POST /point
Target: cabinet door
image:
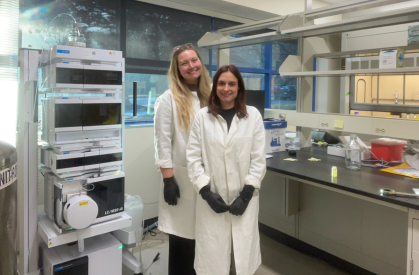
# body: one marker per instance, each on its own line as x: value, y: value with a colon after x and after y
x: 415, y: 258
x: 415, y: 247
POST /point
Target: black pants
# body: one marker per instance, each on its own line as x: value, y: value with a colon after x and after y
x: 181, y: 255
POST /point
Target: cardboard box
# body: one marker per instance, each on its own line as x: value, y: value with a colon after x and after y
x: 275, y: 135
x: 390, y: 59
x: 336, y: 151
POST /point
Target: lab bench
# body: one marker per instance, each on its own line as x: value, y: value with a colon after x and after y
x: 345, y: 216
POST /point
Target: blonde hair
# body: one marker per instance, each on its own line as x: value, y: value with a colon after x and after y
x: 181, y: 93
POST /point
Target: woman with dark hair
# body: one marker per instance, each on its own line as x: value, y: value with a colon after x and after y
x: 226, y: 164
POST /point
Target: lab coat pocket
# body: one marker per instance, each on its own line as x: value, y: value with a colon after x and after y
x: 185, y: 185
x: 243, y: 147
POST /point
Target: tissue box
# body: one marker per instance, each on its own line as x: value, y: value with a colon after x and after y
x: 413, y: 40
x: 390, y: 59
x: 413, y: 30
x: 275, y: 135
x: 336, y: 151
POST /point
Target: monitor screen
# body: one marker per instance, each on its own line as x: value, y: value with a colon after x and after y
x: 256, y: 98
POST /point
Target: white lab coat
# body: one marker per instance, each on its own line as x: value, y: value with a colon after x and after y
x: 170, y: 152
x: 227, y: 161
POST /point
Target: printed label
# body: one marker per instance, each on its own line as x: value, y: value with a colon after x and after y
x: 63, y: 51
x: 8, y: 176
x: 83, y: 203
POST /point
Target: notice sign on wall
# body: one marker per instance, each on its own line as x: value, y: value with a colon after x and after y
x: 8, y: 176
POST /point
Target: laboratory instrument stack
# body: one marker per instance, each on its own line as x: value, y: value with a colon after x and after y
x: 81, y: 126
x: 75, y: 141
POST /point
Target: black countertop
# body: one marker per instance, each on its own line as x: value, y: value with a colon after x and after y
x: 367, y: 182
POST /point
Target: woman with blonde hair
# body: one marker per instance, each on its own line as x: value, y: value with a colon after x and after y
x: 190, y: 87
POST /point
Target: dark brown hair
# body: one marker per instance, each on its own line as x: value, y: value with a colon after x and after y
x: 214, y: 104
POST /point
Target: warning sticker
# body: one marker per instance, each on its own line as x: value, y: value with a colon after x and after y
x: 8, y: 176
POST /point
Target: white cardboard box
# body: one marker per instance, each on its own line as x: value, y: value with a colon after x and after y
x: 275, y: 135
x: 390, y: 59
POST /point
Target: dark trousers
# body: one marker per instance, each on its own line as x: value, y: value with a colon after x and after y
x: 181, y: 256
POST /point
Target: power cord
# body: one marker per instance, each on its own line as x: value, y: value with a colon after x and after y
x: 154, y: 260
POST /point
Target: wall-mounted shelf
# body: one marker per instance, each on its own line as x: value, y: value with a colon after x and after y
x: 363, y: 53
x: 352, y: 72
x: 227, y: 42
x: 348, y: 6
x: 382, y: 19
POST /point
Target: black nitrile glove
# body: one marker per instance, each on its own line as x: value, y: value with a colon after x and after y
x: 171, y: 191
x: 240, y: 204
x: 214, y: 200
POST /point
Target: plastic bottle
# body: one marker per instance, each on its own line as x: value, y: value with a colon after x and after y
x: 353, y: 154
x: 76, y: 37
x: 297, y: 143
x: 395, y: 98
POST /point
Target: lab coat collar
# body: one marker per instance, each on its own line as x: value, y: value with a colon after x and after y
x: 233, y: 128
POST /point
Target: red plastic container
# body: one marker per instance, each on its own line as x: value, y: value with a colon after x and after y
x: 387, y: 149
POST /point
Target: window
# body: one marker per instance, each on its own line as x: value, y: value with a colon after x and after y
x: 153, y: 31
x: 253, y: 81
x: 151, y: 34
x: 284, y: 93
x: 52, y: 21
x: 281, y: 50
x: 248, y: 56
x: 147, y: 33
x: 149, y: 88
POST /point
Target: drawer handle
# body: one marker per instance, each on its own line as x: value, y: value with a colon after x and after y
x: 327, y: 124
x: 383, y: 131
x: 322, y: 124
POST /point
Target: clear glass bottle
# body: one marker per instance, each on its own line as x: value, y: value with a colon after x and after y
x: 76, y: 37
x: 353, y: 154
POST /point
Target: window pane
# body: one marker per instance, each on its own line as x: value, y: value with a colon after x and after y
x: 149, y: 88
x: 153, y: 31
x: 248, y: 56
x: 281, y: 50
x: 284, y: 93
x: 254, y: 81
x: 99, y: 17
x: 222, y: 24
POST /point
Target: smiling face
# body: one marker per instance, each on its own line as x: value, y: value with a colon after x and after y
x: 190, y: 66
x: 227, y: 90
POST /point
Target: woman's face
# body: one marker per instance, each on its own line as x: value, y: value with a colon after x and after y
x: 189, y: 66
x: 227, y: 89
